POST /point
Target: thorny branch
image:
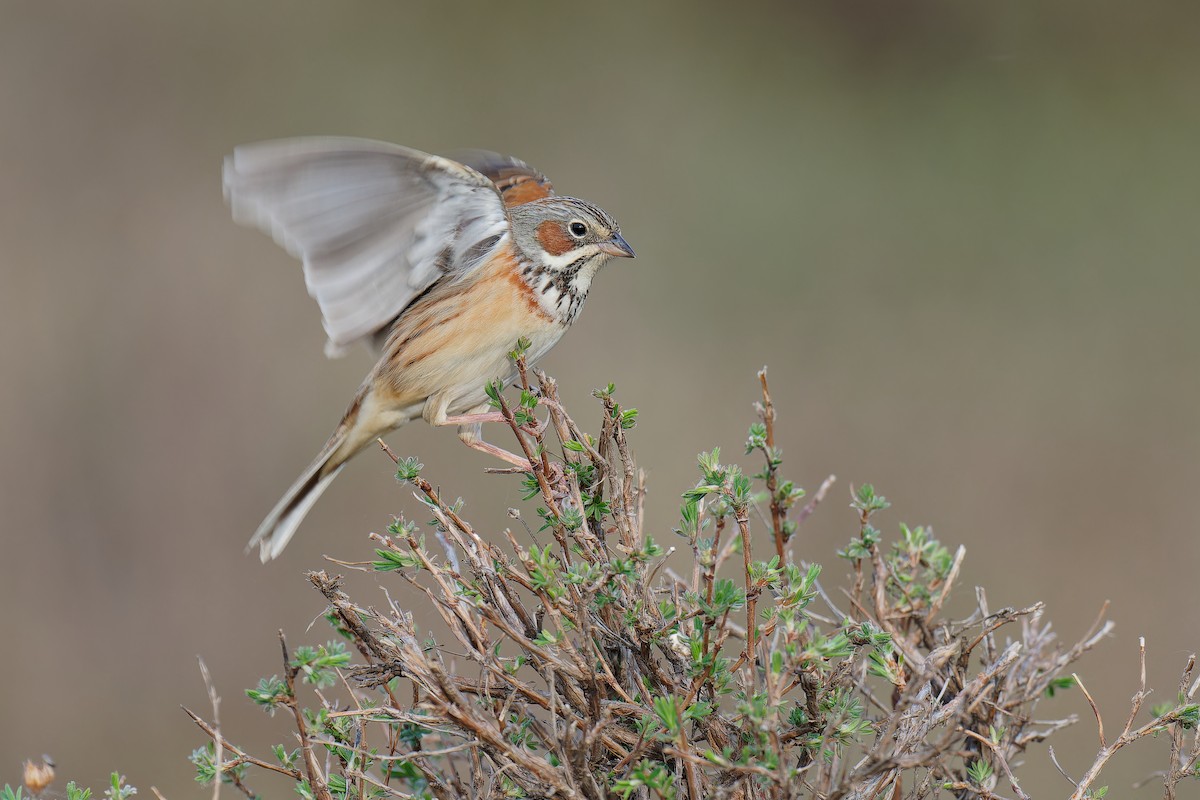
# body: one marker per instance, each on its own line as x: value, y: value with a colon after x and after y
x: 589, y: 668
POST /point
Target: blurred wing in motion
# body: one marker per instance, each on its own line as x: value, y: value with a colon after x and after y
x: 517, y: 182
x: 374, y: 223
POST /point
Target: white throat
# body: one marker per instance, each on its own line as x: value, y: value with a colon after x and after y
x: 561, y: 283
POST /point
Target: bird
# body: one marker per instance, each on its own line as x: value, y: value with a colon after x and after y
x: 439, y: 265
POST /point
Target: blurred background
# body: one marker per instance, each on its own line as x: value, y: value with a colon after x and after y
x: 964, y: 237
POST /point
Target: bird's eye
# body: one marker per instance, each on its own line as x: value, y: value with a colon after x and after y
x: 578, y: 229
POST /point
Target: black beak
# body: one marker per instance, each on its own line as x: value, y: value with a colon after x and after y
x: 616, y: 246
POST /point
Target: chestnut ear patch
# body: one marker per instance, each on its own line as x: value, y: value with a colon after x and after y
x: 554, y: 238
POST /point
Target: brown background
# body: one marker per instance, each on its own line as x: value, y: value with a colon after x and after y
x: 963, y: 235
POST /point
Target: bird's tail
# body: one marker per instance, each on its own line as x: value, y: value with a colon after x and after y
x: 362, y: 424
x: 365, y: 420
x: 280, y: 525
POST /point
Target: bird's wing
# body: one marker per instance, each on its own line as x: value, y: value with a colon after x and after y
x: 517, y: 182
x: 375, y: 224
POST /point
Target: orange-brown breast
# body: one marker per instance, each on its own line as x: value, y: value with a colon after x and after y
x: 554, y: 238
x: 497, y: 301
x: 506, y: 266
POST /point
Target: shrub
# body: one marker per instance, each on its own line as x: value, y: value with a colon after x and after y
x: 574, y: 660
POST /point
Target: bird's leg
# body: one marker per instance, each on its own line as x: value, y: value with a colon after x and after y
x: 469, y: 434
x: 469, y: 430
x: 472, y: 419
x: 533, y: 428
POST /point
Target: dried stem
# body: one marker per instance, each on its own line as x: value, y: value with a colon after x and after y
x: 590, y: 665
x: 766, y: 413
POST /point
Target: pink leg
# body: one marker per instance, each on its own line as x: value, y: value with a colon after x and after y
x: 469, y: 432
x: 476, y: 443
x: 472, y: 419
x: 534, y: 427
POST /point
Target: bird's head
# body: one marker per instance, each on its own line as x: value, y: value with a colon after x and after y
x: 565, y: 234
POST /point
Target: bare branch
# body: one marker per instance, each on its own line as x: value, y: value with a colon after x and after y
x: 587, y: 662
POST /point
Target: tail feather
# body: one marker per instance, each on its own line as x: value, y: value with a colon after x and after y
x: 360, y: 426
x: 280, y: 525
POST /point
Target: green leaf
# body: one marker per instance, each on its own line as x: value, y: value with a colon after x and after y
x: 651, y: 775
x: 700, y: 492
x: 523, y: 345
x: 317, y: 665
x: 866, y: 500
x: 269, y: 693
x: 285, y: 759
x: 202, y: 759
x: 698, y: 710
x: 408, y: 469
x: 667, y: 711
x: 118, y: 790
x: 1062, y: 682
x: 493, y: 391
x: 392, y: 560
x: 545, y: 639
x: 979, y: 772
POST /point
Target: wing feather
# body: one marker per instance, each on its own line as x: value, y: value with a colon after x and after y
x: 374, y: 224
x: 517, y: 182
